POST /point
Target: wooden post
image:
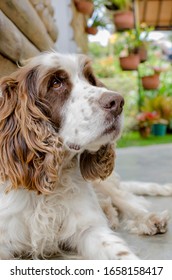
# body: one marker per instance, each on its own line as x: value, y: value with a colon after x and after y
x: 6, y: 66
x: 46, y: 12
x: 24, y: 16
x: 13, y: 44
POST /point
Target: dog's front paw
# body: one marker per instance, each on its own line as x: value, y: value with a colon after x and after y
x: 157, y: 223
x: 149, y: 224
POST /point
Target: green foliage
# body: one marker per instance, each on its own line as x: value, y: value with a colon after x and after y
x: 145, y: 69
x: 127, y: 43
x: 96, y: 50
x: 133, y: 138
x: 104, y: 67
x: 130, y: 40
x: 166, y: 84
x: 161, y: 104
x: 120, y: 4
x: 98, y: 22
x: 152, y: 66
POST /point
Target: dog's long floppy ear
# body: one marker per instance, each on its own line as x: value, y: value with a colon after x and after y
x: 30, y: 150
x: 97, y: 165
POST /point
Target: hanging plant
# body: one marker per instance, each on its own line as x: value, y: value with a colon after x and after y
x: 93, y: 23
x: 150, y: 75
x: 126, y: 47
x: 129, y: 62
x: 91, y: 30
x: 151, y: 81
x: 123, y: 20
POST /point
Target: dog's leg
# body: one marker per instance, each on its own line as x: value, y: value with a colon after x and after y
x: 99, y: 242
x: 143, y: 188
x: 92, y: 238
x: 136, y: 216
x: 110, y: 211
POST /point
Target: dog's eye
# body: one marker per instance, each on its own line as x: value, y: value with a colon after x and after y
x: 56, y: 83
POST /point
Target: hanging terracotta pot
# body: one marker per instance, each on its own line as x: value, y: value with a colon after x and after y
x: 142, y: 51
x: 151, y: 82
x: 91, y: 30
x: 84, y: 7
x: 124, y: 20
x: 129, y: 62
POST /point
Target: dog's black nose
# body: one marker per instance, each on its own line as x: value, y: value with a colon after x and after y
x: 112, y: 102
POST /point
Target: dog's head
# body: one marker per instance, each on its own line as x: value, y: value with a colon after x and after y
x: 52, y: 105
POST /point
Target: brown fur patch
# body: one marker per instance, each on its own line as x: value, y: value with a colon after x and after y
x: 31, y: 151
x: 97, y: 165
x: 89, y: 75
x: 123, y: 253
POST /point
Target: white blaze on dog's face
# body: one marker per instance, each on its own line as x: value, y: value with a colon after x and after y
x: 86, y: 114
x: 91, y: 115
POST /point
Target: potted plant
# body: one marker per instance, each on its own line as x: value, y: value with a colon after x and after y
x: 95, y: 22
x: 85, y: 7
x: 159, y: 128
x: 126, y: 47
x: 145, y: 121
x: 162, y: 105
x: 149, y: 77
x: 151, y: 81
x: 150, y: 74
x: 123, y: 15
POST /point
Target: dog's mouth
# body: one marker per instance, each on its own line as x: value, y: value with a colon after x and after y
x: 112, y: 130
x: 114, y: 127
x: 73, y: 146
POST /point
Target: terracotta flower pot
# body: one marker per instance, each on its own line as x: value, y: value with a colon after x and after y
x: 124, y: 20
x: 145, y: 131
x: 130, y: 62
x: 142, y: 51
x: 84, y: 7
x: 151, y: 82
x: 91, y: 30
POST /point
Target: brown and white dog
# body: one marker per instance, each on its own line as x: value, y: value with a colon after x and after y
x: 58, y: 125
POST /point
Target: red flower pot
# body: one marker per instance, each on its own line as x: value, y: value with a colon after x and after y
x: 84, y: 7
x: 151, y: 82
x: 124, y: 20
x: 130, y: 62
x: 91, y: 30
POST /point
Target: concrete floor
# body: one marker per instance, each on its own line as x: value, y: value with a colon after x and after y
x: 149, y: 164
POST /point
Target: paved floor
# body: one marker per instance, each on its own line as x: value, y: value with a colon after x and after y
x: 153, y: 163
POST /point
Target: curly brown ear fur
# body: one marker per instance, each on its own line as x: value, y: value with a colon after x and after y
x: 30, y: 150
x: 97, y: 165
